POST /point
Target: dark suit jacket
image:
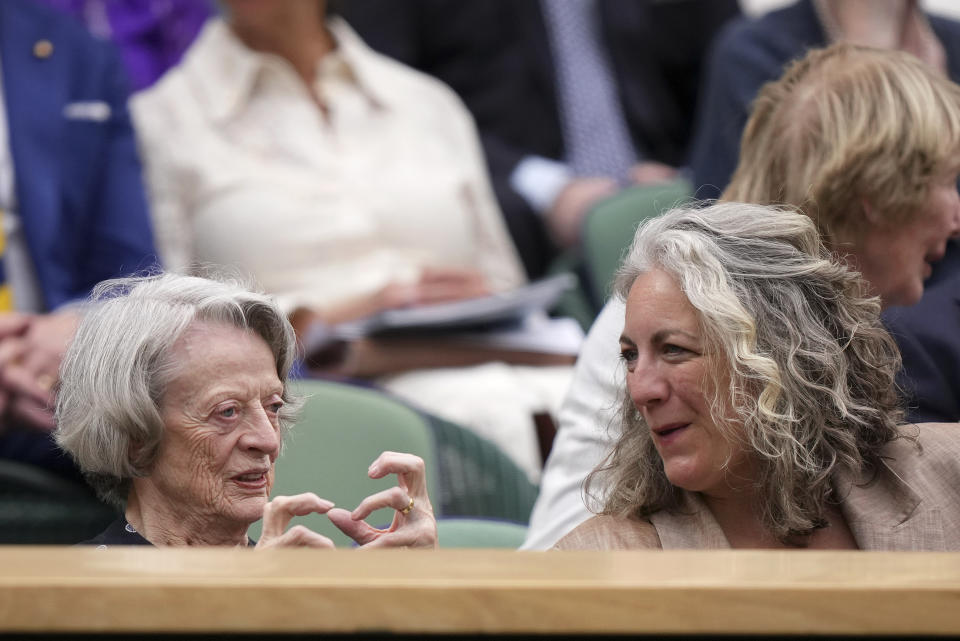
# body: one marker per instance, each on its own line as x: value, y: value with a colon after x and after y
x: 78, y: 184
x: 928, y: 334
x: 496, y: 56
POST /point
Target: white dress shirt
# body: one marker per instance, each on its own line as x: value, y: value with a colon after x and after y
x: 245, y: 170
x: 588, y: 428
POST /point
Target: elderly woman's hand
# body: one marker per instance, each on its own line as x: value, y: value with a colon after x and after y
x: 277, y: 515
x: 413, y: 524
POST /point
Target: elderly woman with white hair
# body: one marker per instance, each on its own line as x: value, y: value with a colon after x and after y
x: 760, y: 406
x: 174, y: 402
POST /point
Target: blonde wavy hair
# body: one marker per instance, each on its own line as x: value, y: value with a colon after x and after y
x: 802, y: 367
x: 847, y: 125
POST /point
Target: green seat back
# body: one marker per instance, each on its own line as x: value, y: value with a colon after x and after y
x: 575, y: 303
x: 610, y: 226
x: 342, y: 430
x: 480, y: 533
x: 39, y: 507
x: 477, y: 479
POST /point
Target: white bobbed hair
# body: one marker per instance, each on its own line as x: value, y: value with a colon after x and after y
x: 117, y: 368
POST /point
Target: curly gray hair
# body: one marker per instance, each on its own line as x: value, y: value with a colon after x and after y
x: 810, y: 367
x: 117, y: 369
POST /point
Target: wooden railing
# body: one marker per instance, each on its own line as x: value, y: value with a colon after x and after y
x: 136, y: 590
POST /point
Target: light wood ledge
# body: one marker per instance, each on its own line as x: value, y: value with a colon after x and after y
x: 137, y: 590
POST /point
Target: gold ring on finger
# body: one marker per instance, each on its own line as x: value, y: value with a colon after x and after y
x: 407, y: 509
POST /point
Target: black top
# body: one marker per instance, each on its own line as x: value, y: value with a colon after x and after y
x: 118, y: 533
x: 122, y: 533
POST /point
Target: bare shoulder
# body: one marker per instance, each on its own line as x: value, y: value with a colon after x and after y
x: 611, y: 533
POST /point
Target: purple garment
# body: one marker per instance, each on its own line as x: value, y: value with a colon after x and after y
x: 151, y: 34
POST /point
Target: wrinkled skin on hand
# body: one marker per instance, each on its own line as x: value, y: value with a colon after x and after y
x: 417, y: 528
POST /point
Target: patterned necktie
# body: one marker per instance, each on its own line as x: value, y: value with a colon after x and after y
x: 594, y: 129
x: 6, y: 295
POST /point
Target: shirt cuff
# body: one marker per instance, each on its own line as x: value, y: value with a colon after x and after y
x: 539, y: 181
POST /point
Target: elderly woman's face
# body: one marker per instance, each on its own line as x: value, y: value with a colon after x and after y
x: 221, y: 433
x: 896, y: 261
x: 667, y: 379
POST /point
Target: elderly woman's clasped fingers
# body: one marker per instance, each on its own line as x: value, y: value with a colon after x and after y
x: 413, y: 523
x: 411, y: 476
x: 409, y: 468
x: 277, y: 515
x: 395, y: 497
x: 410, y: 530
x: 297, y: 536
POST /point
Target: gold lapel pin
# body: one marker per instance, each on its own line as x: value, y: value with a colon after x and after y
x: 43, y: 49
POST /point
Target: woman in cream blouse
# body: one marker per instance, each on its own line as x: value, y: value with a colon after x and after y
x: 343, y: 182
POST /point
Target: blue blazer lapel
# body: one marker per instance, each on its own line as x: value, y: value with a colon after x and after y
x: 34, y: 91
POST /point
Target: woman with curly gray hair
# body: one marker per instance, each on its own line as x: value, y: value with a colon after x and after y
x: 174, y: 401
x: 761, y: 408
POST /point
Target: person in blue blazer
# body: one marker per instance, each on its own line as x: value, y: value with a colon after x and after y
x: 74, y: 209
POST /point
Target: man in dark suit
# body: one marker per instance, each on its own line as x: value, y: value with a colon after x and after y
x: 501, y: 57
x: 73, y: 207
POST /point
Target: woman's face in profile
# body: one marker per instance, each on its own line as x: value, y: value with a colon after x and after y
x: 221, y: 431
x: 896, y: 260
x: 668, y: 382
